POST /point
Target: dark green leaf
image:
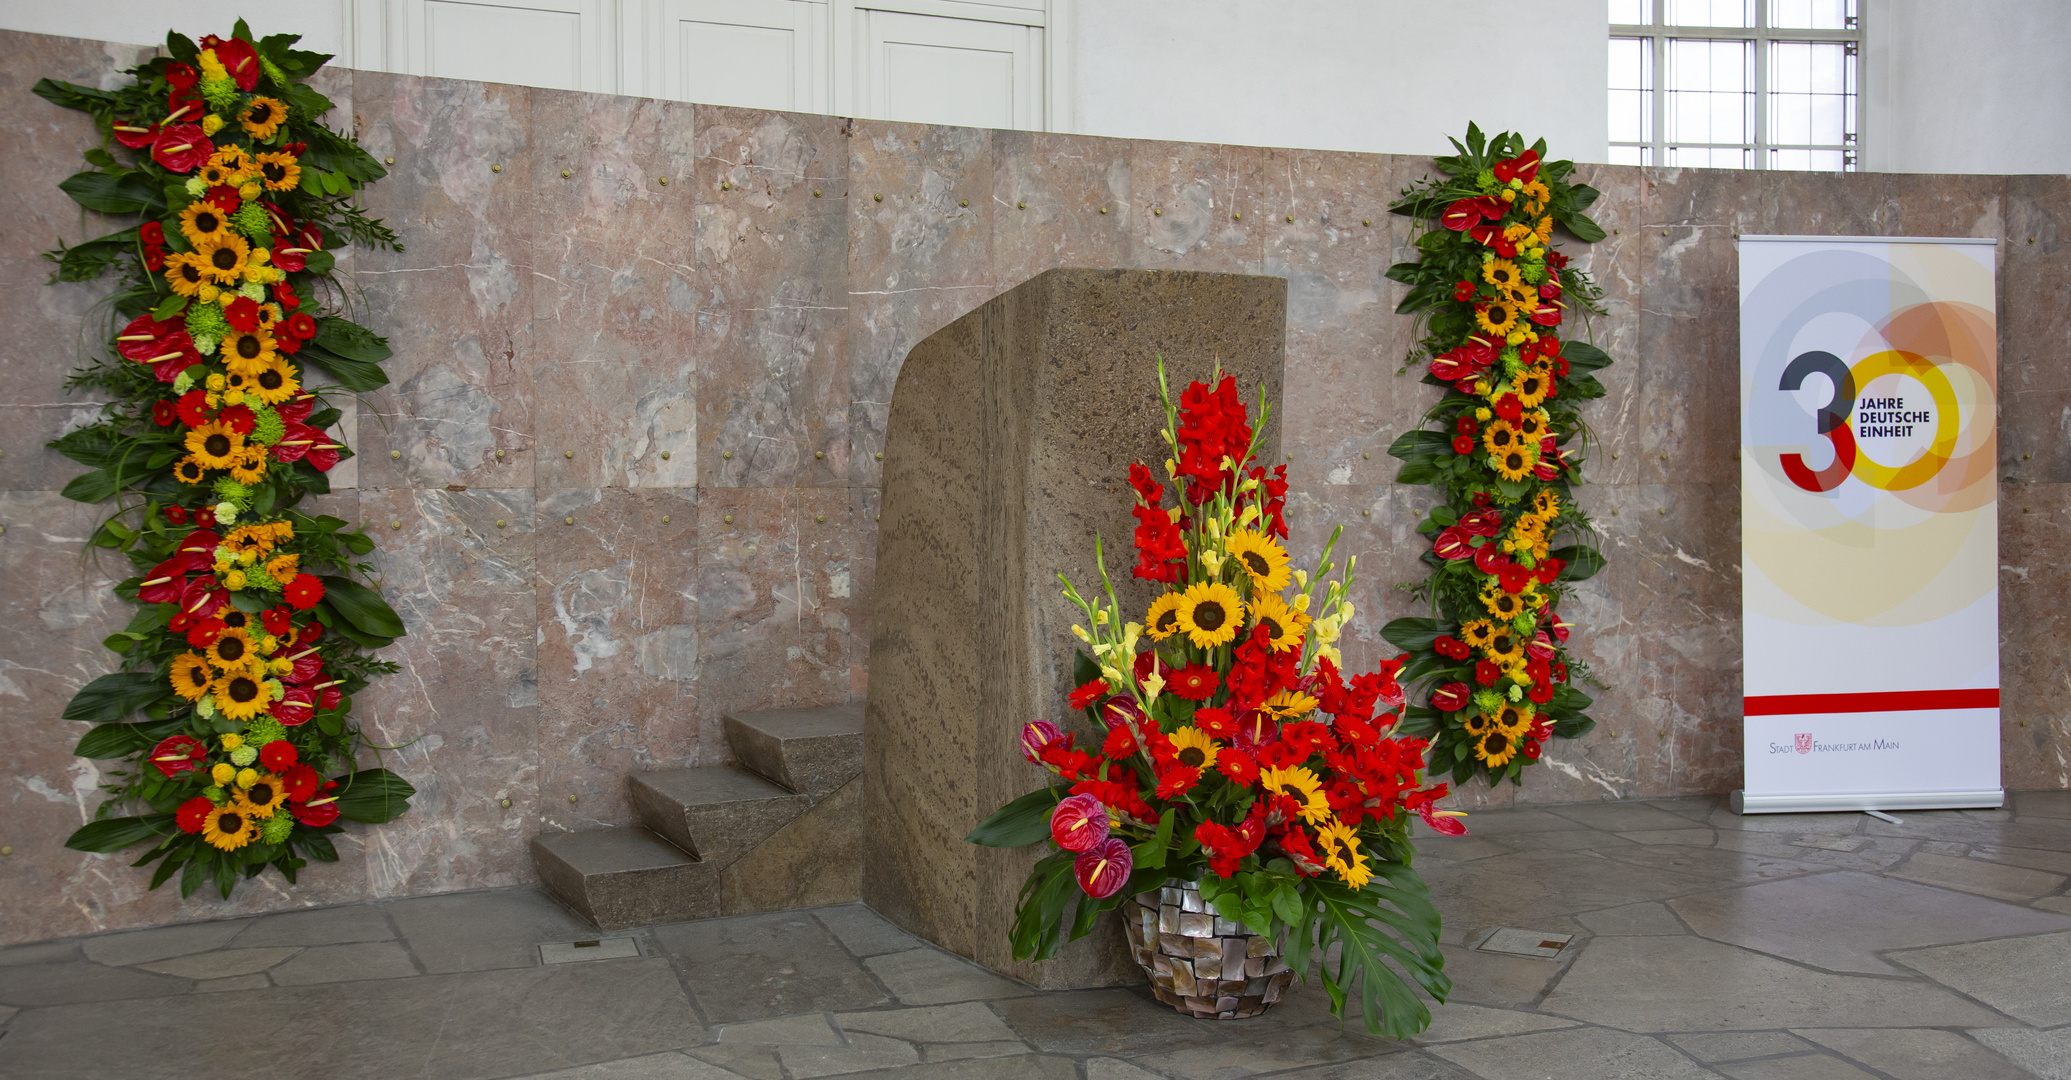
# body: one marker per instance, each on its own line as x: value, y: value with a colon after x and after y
x: 114, y: 696
x: 374, y: 796
x: 1019, y: 823
x: 361, y: 606
x: 114, y: 834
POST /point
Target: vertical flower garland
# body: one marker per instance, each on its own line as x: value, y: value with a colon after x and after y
x: 1493, y: 295
x: 232, y: 715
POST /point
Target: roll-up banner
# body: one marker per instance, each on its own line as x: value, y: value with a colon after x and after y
x: 1869, y: 491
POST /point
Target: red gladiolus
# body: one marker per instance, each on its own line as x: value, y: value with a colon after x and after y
x: 304, y: 591
x: 1088, y: 693
x: 1452, y: 697
x: 1078, y: 823
x: 178, y: 754
x: 1104, y: 868
x: 1036, y: 735
x: 182, y: 148
x: 278, y: 755
x: 193, y: 814
x: 1452, y: 543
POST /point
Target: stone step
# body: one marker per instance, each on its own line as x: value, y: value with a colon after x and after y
x: 811, y: 751
x: 625, y: 876
x: 717, y: 813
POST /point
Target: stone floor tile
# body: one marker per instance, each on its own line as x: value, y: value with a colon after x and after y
x: 319, y: 926
x: 672, y: 1066
x: 2056, y: 862
x: 1702, y: 838
x: 810, y: 1029
x: 159, y: 943
x: 1621, y: 816
x: 754, y: 967
x: 1690, y: 984
x: 2021, y: 977
x: 255, y: 981
x: 1456, y: 1021
x: 1117, y: 1069
x: 1716, y: 1046
x: 477, y: 931
x: 967, y: 1022
x: 862, y: 1053
x: 970, y: 1050
x: 221, y: 964
x: 454, y: 1027
x: 37, y: 985
x: 1917, y: 1053
x: 1819, y: 920
x: 929, y: 976
x: 1978, y: 876
x: 1481, y: 978
x: 1649, y: 919
x: 42, y: 952
x: 346, y: 963
x: 1575, y: 1054
x: 751, y: 1060
x: 1126, y: 1022
x: 1026, y: 1067
x: 1255, y: 1051
x: 865, y: 932
x: 2047, y: 1054
x: 1798, y: 1067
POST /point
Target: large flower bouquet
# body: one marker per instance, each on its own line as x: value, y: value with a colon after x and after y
x: 1494, y: 295
x: 1233, y: 749
x: 252, y: 635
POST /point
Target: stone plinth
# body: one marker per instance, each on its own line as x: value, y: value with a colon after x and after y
x: 1006, y: 453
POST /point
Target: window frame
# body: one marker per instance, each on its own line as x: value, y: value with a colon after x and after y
x: 1656, y: 34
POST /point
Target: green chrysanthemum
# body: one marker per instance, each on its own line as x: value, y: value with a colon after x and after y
x: 250, y: 220
x: 271, y: 428
x: 206, y: 319
x: 262, y: 730
x: 275, y: 829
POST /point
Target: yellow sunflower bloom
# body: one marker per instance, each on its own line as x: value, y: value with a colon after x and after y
x: 1498, y: 317
x: 223, y: 258
x: 215, y: 444
x: 262, y: 796
x: 1503, y: 606
x: 191, y: 676
x: 1289, y: 705
x: 1302, y: 785
x: 201, y: 223
x: 241, y: 695
x: 1210, y: 613
x: 1500, y: 437
x: 231, y: 651
x: 1193, y: 748
x: 1287, y: 625
x: 185, y: 272
x: 1340, y: 848
x: 1531, y: 387
x: 1512, y: 464
x: 262, y: 116
x: 1162, y: 621
x: 1476, y: 632
x: 1262, y: 558
x: 229, y: 828
x: 249, y: 353
x: 1495, y: 749
x: 250, y: 468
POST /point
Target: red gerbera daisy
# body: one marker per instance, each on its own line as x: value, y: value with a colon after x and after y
x: 1195, y: 682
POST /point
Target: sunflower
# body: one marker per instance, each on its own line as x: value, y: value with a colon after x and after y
x: 1512, y: 465
x: 215, y: 444
x: 250, y: 467
x: 1162, y: 621
x: 223, y: 258
x: 1286, y: 625
x: 274, y: 384
x: 229, y: 827
x: 1546, y: 503
x: 1476, y: 632
x: 1210, y: 612
x: 262, y: 116
x: 1504, y: 606
x: 1340, y: 846
x: 1494, y: 749
x: 1497, y: 317
x: 1514, y: 720
x: 1504, y: 645
x: 231, y: 650
x: 1502, y: 273
x: 1531, y: 425
x: 1194, y: 749
x: 263, y: 795
x: 1301, y: 785
x: 190, y: 470
x: 240, y: 695
x: 248, y: 352
x: 185, y: 272
x: 202, y: 223
x: 1531, y: 388
x: 1263, y: 559
x: 191, y: 676
x: 1288, y: 704
x: 1500, y: 436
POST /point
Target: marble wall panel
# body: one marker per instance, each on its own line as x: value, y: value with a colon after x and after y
x: 612, y: 353
x: 618, y: 645
x: 772, y: 281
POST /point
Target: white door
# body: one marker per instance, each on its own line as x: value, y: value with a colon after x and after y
x: 935, y: 70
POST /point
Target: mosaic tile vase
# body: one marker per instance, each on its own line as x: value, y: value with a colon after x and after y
x: 1198, y: 962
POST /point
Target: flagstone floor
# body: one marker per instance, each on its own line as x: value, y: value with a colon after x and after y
x: 1828, y: 947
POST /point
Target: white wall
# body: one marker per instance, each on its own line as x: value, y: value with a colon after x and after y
x: 1980, y: 86
x: 1388, y: 76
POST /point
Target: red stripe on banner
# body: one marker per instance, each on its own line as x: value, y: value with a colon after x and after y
x: 1888, y: 701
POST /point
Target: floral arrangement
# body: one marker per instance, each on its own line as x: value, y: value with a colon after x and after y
x: 1493, y: 294
x: 252, y: 636
x: 1234, y: 751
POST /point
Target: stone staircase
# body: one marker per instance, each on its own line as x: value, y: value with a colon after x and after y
x: 780, y: 829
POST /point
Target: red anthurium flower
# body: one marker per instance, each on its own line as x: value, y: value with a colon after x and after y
x: 1462, y: 215
x: 1104, y: 868
x: 1487, y: 522
x: 1452, y: 697
x: 243, y: 314
x: 1452, y: 542
x: 321, y: 810
x: 1088, y: 693
x: 178, y: 754
x: 278, y: 755
x: 193, y: 814
x: 1079, y: 823
x: 304, y: 591
x: 182, y: 148
x: 1037, y: 735
x: 1195, y: 682
x: 163, y: 414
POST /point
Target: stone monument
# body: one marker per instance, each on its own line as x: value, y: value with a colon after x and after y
x: 1007, y: 451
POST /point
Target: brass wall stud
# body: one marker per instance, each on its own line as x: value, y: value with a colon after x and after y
x: 665, y: 455
x: 498, y: 167
x: 729, y: 519
x: 728, y: 455
x: 565, y: 174
x: 819, y: 455
x: 395, y: 455
x: 567, y: 521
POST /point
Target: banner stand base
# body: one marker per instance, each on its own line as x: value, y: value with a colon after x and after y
x: 1744, y: 803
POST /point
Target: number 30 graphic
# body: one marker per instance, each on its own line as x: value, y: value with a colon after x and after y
x: 1833, y: 420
